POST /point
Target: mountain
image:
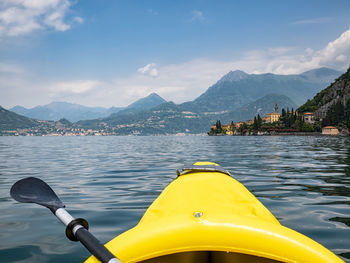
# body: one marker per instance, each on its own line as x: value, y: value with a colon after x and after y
x: 261, y: 106
x: 237, y: 96
x: 148, y: 102
x: 324, y: 74
x: 238, y: 88
x: 75, y: 112
x: 11, y: 121
x: 167, y: 118
x: 233, y: 76
x: 58, y: 110
x: 333, y: 103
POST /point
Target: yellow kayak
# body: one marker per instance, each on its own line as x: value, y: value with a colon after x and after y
x: 207, y: 216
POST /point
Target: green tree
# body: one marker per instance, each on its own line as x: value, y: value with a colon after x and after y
x: 218, y: 127
x: 335, y: 114
x: 283, y: 113
x: 243, y: 128
x: 260, y: 121
x: 233, y: 126
x: 255, y: 124
x: 317, y: 126
x: 347, y: 113
x: 307, y: 127
x: 298, y: 124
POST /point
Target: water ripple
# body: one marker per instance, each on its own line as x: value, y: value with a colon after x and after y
x: 303, y: 181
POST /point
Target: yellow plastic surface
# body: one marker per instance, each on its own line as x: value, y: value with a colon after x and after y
x: 210, y: 212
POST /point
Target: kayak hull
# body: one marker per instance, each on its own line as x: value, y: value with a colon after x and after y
x: 207, y: 216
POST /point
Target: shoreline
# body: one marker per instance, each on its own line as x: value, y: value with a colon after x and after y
x: 315, y: 134
x: 288, y: 134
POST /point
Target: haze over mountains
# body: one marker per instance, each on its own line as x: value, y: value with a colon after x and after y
x: 236, y: 96
x: 75, y: 112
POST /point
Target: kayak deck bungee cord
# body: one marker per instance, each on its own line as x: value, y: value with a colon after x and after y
x: 203, y: 216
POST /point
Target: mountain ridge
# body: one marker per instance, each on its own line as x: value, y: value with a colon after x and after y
x: 152, y: 100
x: 261, y: 106
x: 169, y: 118
x: 237, y: 96
x: 9, y: 120
x: 232, y: 76
x: 230, y: 93
x: 73, y: 112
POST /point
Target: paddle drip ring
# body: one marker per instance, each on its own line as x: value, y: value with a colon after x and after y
x: 69, y: 229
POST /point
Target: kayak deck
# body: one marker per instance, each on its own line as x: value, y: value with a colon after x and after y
x: 207, y: 216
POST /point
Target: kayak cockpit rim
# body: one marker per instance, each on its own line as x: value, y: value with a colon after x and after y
x: 199, y: 167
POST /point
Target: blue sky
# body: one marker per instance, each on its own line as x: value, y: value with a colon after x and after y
x: 110, y: 52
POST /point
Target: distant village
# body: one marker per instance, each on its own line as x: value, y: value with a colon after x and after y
x: 57, y: 132
x: 288, y: 123
x: 57, y: 128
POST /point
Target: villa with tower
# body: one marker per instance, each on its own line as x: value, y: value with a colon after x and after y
x: 273, y: 116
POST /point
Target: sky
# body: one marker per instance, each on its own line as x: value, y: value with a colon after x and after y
x: 113, y: 52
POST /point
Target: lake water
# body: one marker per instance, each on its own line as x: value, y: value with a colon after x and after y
x: 110, y: 181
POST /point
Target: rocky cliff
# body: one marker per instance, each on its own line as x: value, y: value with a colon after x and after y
x: 338, y: 91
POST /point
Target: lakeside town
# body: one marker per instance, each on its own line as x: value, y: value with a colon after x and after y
x: 62, y: 127
x: 58, y: 132
x: 288, y: 123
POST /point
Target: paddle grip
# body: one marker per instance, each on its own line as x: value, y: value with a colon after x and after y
x: 94, y: 246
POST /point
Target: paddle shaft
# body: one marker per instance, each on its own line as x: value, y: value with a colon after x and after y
x: 86, y: 238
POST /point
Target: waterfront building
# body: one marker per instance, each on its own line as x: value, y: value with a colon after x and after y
x: 238, y: 124
x: 273, y: 116
x: 330, y: 130
x: 309, y: 117
x: 226, y: 127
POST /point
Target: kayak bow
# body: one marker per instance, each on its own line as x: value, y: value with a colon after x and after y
x: 207, y: 216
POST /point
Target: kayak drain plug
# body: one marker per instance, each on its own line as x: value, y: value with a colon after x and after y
x: 198, y: 214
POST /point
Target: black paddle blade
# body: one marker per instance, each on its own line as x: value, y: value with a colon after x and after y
x: 34, y: 190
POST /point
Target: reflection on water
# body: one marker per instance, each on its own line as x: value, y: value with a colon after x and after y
x: 303, y: 181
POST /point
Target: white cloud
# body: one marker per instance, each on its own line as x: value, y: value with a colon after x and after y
x: 319, y: 20
x: 186, y: 81
x: 197, y: 15
x: 336, y: 54
x: 20, y: 17
x: 149, y: 69
x: 78, y: 87
x: 78, y: 19
x: 176, y: 82
x: 7, y: 68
